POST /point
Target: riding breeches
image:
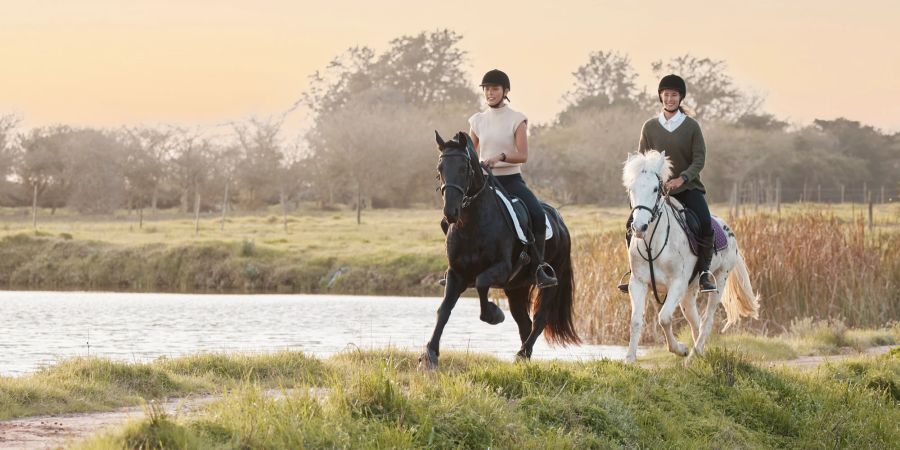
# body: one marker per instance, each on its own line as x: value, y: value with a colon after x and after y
x: 694, y: 200
x: 515, y: 185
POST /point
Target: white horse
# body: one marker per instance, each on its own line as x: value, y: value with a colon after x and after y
x: 655, y: 228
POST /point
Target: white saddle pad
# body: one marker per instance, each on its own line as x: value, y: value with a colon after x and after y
x: 512, y: 213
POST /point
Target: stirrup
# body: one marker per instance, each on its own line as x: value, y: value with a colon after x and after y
x: 714, y: 282
x: 624, y: 286
x: 549, y: 280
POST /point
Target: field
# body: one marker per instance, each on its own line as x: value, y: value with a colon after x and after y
x: 811, y: 261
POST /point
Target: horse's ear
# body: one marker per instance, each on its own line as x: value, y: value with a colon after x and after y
x: 440, y: 141
x: 662, y: 162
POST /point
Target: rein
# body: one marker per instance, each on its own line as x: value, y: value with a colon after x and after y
x: 655, y: 214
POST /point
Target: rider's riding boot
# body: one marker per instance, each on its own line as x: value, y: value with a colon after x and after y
x: 623, y: 282
x: 707, y: 282
x: 544, y: 275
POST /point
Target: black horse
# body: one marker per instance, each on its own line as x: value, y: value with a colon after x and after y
x: 482, y: 250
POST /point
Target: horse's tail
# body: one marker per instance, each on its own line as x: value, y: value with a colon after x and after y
x: 560, y: 328
x: 738, y: 298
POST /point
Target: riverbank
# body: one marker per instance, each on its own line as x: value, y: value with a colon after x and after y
x: 819, y: 261
x: 377, y: 399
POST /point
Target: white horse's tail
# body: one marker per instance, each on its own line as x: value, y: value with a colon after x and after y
x: 738, y: 298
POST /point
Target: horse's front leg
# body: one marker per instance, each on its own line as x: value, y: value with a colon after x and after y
x: 638, y: 292
x: 455, y: 286
x: 496, y: 275
x: 673, y: 299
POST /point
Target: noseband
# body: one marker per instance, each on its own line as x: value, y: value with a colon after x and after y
x: 655, y: 211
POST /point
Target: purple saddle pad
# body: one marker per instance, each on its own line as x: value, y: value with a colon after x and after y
x: 718, y: 232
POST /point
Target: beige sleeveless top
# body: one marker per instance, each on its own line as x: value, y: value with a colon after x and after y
x: 496, y: 129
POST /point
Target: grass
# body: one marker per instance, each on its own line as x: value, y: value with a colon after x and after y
x: 92, y: 384
x: 806, y: 337
x: 376, y: 399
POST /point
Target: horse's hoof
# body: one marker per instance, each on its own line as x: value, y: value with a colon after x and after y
x: 494, y: 315
x: 523, y: 355
x: 630, y: 359
x: 428, y: 360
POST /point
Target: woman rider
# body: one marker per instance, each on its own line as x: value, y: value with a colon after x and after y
x: 681, y: 138
x: 500, y: 137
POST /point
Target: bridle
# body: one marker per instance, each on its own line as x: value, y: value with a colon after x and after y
x: 470, y: 174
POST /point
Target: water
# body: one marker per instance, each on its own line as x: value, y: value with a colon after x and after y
x: 42, y: 328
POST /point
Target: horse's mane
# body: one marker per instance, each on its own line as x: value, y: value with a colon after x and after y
x: 650, y: 161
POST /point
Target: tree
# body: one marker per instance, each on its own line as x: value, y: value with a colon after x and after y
x: 260, y: 161
x: 39, y: 162
x: 146, y: 153
x: 711, y: 92
x: 95, y: 171
x: 607, y: 78
x: 8, y: 124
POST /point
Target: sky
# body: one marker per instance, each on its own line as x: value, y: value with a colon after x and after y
x: 205, y: 63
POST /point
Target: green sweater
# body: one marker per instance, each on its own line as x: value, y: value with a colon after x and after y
x: 684, y: 146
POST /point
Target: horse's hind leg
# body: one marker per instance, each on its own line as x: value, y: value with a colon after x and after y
x: 455, y: 286
x: 548, y: 296
x: 709, y: 317
x: 519, y: 301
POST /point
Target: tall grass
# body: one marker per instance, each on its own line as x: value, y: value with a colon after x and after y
x: 722, y: 401
x: 806, y: 265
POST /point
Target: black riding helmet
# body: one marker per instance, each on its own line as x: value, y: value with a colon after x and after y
x: 673, y: 82
x: 496, y: 78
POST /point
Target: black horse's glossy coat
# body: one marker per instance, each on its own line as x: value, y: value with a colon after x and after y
x: 482, y: 250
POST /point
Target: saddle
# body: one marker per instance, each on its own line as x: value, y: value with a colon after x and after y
x: 693, y: 231
x: 521, y: 220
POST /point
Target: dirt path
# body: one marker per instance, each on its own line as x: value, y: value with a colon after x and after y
x: 52, y: 432
x: 811, y: 362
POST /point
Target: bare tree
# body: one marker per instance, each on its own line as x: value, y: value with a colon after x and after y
x: 711, y: 91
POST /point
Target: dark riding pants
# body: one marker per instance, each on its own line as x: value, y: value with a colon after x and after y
x: 694, y: 200
x: 515, y: 185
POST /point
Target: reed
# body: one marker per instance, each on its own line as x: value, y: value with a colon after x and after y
x: 807, y: 265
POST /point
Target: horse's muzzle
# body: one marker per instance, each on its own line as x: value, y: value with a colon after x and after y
x: 639, y: 230
x: 451, y: 215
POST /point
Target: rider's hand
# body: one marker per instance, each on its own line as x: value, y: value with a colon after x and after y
x: 491, y: 162
x: 674, y: 183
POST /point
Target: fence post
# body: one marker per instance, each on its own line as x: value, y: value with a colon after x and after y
x: 865, y: 193
x: 778, y: 195
x: 871, y: 222
x: 734, y: 200
x: 842, y: 192
x: 819, y: 193
x: 882, y: 194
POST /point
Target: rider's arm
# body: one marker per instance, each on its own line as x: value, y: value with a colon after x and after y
x: 474, y: 139
x: 521, y: 138
x: 643, y: 145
